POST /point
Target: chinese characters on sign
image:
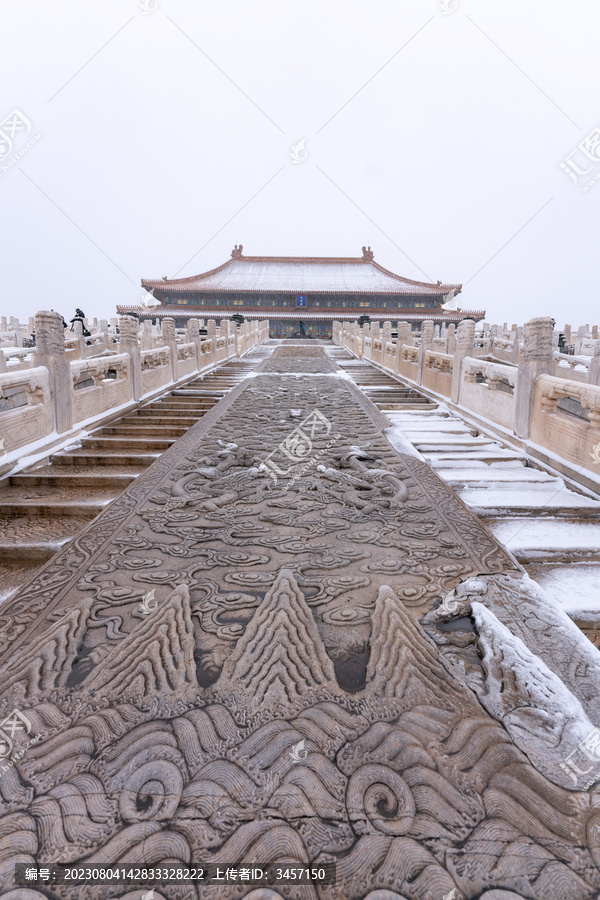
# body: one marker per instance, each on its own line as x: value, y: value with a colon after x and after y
x: 301, y: 300
x: 585, y: 759
x: 577, y: 163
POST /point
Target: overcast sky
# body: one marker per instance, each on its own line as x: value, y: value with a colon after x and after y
x: 436, y: 136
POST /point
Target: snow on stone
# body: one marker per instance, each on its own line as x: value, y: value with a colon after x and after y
x: 547, y: 534
x: 400, y: 443
x: 499, y: 497
x: 545, y: 720
x: 575, y: 588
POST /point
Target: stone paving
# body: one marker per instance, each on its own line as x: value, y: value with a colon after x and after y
x: 288, y: 644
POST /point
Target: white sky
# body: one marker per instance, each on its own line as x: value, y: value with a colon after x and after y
x: 435, y: 138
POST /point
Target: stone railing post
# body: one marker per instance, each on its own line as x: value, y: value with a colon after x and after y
x: 537, y: 360
x: 375, y: 336
x: 193, y: 337
x: 426, y: 344
x: 594, y: 370
x: 231, y: 341
x: 15, y: 327
x: 50, y: 352
x: 211, y: 335
x: 517, y: 343
x: 168, y: 335
x: 386, y: 338
x: 358, y: 340
x: 465, y: 343
x: 405, y: 333
x: 582, y: 334
x: 368, y: 329
x: 78, y: 332
x: 147, y: 336
x: 451, y: 338
x: 354, y: 329
x: 129, y: 343
x: 404, y: 337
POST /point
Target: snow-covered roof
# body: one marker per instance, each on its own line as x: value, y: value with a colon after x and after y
x: 301, y: 275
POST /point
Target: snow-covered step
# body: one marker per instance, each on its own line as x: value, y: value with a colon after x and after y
x: 508, y: 499
x: 576, y: 587
x: 419, y: 415
x: 437, y: 424
x: 498, y: 456
x: 485, y: 461
x: 549, y: 539
x: 426, y: 435
x: 495, y: 476
x: 450, y: 443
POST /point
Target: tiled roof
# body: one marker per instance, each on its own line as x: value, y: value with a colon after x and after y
x: 300, y: 275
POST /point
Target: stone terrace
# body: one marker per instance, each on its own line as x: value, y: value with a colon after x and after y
x: 289, y: 641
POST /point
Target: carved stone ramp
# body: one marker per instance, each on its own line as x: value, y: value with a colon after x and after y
x: 286, y: 643
x: 43, y: 506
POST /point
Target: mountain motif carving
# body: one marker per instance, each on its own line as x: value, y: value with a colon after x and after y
x: 280, y: 662
x: 403, y: 664
x: 158, y: 657
x: 47, y: 664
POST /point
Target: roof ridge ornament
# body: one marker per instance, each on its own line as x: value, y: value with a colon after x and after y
x: 367, y: 254
x: 236, y: 253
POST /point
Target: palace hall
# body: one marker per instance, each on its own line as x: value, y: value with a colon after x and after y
x: 302, y: 296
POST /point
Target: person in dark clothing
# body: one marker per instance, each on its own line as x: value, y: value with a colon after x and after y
x: 79, y: 317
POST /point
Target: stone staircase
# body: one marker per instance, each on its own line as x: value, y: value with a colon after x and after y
x: 46, y: 505
x: 552, y: 528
